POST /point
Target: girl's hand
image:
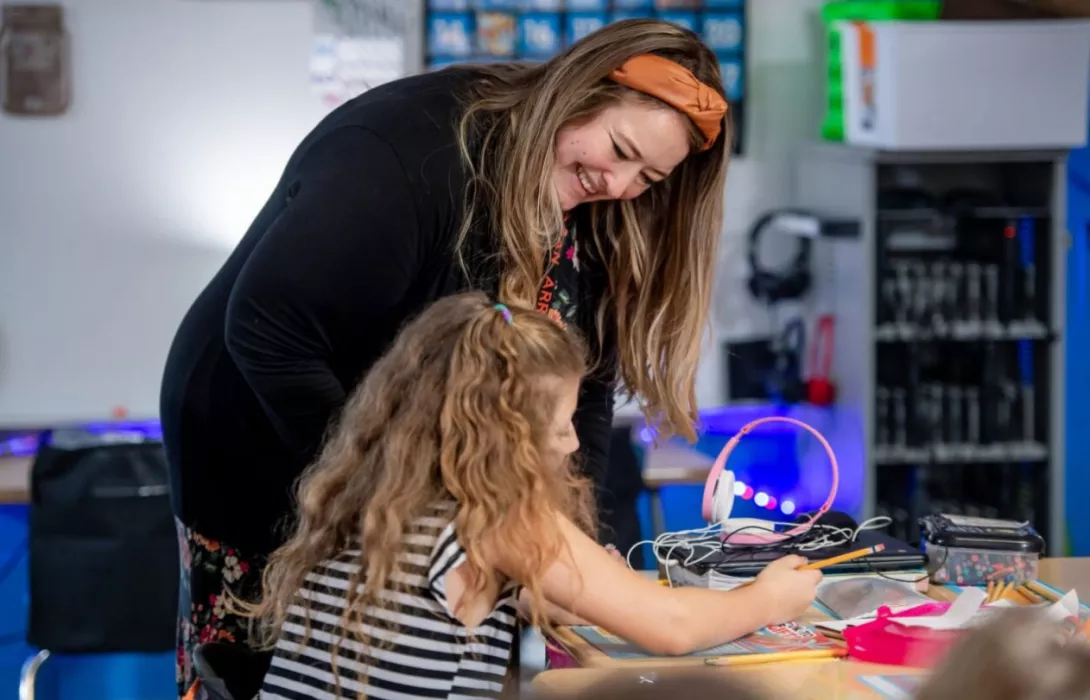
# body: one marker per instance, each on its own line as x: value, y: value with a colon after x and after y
x: 788, y: 590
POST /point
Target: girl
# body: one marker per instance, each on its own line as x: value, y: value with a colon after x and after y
x: 589, y: 187
x: 446, y: 489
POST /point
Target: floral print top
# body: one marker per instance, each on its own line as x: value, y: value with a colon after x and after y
x: 557, y: 296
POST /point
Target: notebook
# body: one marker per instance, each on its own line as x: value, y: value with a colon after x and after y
x: 779, y: 639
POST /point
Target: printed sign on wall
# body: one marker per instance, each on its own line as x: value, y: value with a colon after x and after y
x: 461, y: 31
x: 358, y: 44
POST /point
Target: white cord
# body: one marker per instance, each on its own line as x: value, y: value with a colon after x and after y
x: 704, y: 543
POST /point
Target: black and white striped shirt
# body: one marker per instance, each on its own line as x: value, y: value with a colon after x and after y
x: 430, y: 653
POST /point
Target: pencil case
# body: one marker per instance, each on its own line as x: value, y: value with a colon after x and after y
x: 970, y: 551
x: 886, y: 641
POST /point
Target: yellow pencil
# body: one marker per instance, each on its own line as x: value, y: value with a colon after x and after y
x: 1008, y: 588
x: 775, y: 657
x: 989, y: 595
x: 831, y: 561
x: 850, y: 556
x: 1029, y: 595
x: 1025, y: 594
x: 1042, y: 591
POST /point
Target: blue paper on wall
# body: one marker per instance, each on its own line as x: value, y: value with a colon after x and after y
x: 448, y: 4
x: 539, y: 34
x: 723, y: 32
x: 581, y: 24
x: 684, y: 19
x: 450, y: 34
x: 733, y: 78
x: 620, y: 15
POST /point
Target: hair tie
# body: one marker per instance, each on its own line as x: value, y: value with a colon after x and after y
x: 505, y: 312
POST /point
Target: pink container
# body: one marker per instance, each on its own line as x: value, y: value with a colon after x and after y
x: 886, y: 641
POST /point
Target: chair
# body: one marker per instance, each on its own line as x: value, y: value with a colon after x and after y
x: 101, y: 532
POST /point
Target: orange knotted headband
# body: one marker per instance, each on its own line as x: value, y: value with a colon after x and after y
x: 676, y: 86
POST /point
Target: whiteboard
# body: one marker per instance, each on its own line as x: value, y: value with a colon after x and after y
x: 114, y: 216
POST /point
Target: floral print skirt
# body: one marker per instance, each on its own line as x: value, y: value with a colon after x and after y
x: 209, y: 569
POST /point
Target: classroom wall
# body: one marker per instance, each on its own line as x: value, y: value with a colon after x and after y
x: 114, y: 216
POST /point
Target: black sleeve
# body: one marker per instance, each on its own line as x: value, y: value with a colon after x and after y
x: 338, y: 258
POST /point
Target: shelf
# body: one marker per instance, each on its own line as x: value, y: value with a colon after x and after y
x: 962, y: 454
x: 944, y: 296
x: 930, y: 215
x: 963, y: 331
x: 849, y: 153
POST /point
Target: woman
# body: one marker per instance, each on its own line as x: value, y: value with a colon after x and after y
x: 589, y: 187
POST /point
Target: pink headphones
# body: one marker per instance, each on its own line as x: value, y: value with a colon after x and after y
x: 719, y: 488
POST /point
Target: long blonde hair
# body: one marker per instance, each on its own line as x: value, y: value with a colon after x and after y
x: 457, y: 411
x: 660, y: 249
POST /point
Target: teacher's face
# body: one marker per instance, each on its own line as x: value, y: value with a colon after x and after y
x: 619, y: 153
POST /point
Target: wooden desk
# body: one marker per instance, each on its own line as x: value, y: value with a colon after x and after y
x: 818, y: 679
x: 671, y: 465
x: 14, y: 480
x: 809, y: 680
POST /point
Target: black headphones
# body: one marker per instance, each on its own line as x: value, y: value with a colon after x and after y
x: 793, y: 281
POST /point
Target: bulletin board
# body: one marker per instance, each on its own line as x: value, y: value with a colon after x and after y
x: 460, y: 31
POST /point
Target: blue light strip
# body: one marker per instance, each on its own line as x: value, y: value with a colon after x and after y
x: 25, y: 443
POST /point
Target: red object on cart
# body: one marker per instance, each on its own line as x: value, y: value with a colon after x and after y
x: 820, y: 390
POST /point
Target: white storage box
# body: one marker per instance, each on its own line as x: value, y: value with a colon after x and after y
x: 966, y: 85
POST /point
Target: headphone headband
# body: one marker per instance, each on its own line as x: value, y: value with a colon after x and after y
x: 710, y: 486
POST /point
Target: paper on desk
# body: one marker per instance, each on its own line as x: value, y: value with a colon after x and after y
x: 1067, y: 606
x: 958, y: 615
x: 968, y: 610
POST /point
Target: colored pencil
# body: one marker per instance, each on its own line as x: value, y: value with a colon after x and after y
x: 1042, y: 591
x: 1026, y: 595
x: 850, y: 556
x: 989, y: 594
x: 1004, y: 590
x: 775, y: 657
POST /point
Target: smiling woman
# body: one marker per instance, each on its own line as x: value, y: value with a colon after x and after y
x: 620, y: 152
x: 589, y: 187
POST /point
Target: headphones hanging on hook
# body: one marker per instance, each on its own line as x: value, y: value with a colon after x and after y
x: 792, y: 282
x: 719, y: 488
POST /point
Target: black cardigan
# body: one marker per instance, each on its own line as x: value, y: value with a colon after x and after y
x: 357, y: 237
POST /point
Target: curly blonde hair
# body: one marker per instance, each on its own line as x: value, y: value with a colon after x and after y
x: 458, y: 410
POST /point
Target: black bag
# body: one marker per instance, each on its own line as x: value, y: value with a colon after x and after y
x: 103, y: 548
x: 228, y: 672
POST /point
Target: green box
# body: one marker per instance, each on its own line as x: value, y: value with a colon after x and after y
x: 832, y: 128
